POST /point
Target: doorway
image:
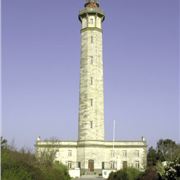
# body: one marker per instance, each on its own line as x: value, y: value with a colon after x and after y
x: 91, y: 165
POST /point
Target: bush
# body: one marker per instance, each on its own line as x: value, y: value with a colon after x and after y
x: 24, y: 166
x: 150, y: 174
x: 125, y: 174
x: 19, y: 166
x: 119, y: 175
x: 172, y: 170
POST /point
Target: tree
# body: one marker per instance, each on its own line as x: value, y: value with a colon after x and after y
x: 166, y: 150
x: 151, y: 157
x: 177, y: 151
x: 47, y: 156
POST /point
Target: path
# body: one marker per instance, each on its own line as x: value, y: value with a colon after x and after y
x: 90, y: 177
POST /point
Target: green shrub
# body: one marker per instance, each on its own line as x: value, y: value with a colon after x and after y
x: 56, y: 171
x: 17, y: 174
x: 150, y: 174
x: 24, y: 166
x: 172, y: 170
x: 19, y: 166
x: 125, y: 174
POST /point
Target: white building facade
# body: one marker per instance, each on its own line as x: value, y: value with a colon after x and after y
x: 91, y: 153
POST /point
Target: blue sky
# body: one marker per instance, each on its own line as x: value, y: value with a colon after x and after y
x: 41, y: 62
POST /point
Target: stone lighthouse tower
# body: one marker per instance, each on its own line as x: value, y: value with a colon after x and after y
x: 91, y: 103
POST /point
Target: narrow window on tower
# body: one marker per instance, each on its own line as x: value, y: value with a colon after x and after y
x: 91, y: 124
x: 91, y: 80
x: 91, y: 102
x: 91, y: 59
x: 92, y: 39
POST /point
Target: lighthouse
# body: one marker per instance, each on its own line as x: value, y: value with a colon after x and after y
x: 91, y: 101
x: 91, y: 153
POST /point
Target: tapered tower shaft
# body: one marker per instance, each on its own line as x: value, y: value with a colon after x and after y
x: 91, y: 103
